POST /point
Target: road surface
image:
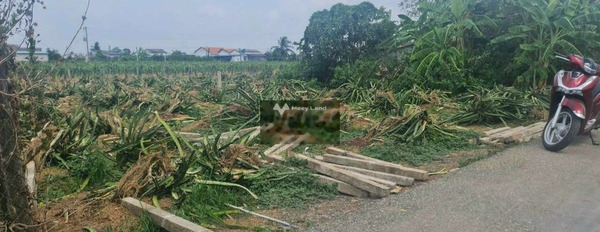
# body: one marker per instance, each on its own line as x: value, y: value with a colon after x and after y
x: 524, y: 188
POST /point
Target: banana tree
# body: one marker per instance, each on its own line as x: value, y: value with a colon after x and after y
x: 551, y: 25
x: 444, y: 45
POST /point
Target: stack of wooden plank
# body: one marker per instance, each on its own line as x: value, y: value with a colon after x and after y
x: 362, y: 176
x: 354, y: 174
x: 273, y: 154
x: 506, y: 135
x: 196, y: 137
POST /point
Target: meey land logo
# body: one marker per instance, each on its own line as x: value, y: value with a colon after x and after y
x: 319, y: 121
x: 285, y: 107
x: 281, y: 109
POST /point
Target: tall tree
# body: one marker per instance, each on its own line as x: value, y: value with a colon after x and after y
x: 126, y: 51
x: 53, y: 55
x: 283, y: 50
x: 117, y: 50
x: 15, y: 16
x: 96, y: 47
x: 341, y: 35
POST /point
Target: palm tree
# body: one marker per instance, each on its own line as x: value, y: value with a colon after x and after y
x: 283, y: 50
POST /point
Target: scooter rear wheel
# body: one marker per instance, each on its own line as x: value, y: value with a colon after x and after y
x: 566, y: 129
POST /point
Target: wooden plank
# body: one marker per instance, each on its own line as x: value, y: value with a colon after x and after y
x: 160, y: 217
x: 377, y: 166
x: 532, y: 131
x: 273, y: 153
x: 338, y: 151
x: 496, y: 131
x: 508, y: 135
x: 536, y: 128
x: 375, y: 189
x: 277, y: 146
x: 241, y: 131
x: 397, y: 179
x: 387, y: 183
x: 30, y: 177
x: 196, y: 137
x: 30, y: 180
x: 290, y: 146
x: 253, y: 135
x: 485, y: 140
x: 227, y: 135
x: 219, y: 81
x: 342, y: 187
x: 515, y: 136
x: 274, y: 158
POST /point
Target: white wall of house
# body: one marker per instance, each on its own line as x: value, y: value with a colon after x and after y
x: 201, y: 52
x: 43, y: 57
x: 157, y: 54
x: 223, y: 53
x: 237, y: 58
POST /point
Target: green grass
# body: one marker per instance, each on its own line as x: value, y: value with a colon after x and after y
x: 419, y: 153
x: 289, y: 186
x: 56, y: 186
x: 144, y: 224
x: 206, y: 204
x: 352, y: 134
x: 95, y: 166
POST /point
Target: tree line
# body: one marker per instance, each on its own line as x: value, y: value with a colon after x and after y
x: 449, y: 44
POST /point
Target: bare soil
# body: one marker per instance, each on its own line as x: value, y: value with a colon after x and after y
x: 74, y: 213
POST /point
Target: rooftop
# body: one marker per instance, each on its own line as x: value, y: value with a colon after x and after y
x: 216, y: 50
x: 152, y: 50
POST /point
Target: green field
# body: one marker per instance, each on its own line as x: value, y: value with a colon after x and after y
x: 114, y: 132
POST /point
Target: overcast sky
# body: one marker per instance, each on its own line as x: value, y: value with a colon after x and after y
x: 183, y: 25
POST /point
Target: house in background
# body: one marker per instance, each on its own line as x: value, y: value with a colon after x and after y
x: 213, y: 52
x: 234, y: 54
x: 23, y: 55
x: 230, y: 54
x: 254, y: 55
x: 156, y: 52
x: 110, y: 54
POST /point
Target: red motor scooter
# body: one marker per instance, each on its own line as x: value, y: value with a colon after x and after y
x: 574, y: 103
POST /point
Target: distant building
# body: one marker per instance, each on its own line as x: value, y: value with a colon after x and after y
x: 23, y: 55
x: 254, y: 55
x: 156, y: 52
x: 112, y: 54
x: 230, y: 54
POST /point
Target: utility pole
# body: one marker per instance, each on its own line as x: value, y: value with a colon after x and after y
x: 137, y: 63
x: 87, y: 45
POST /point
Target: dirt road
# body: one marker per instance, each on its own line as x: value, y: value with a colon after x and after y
x: 524, y: 188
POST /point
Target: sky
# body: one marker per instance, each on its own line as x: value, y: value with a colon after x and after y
x: 183, y: 25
